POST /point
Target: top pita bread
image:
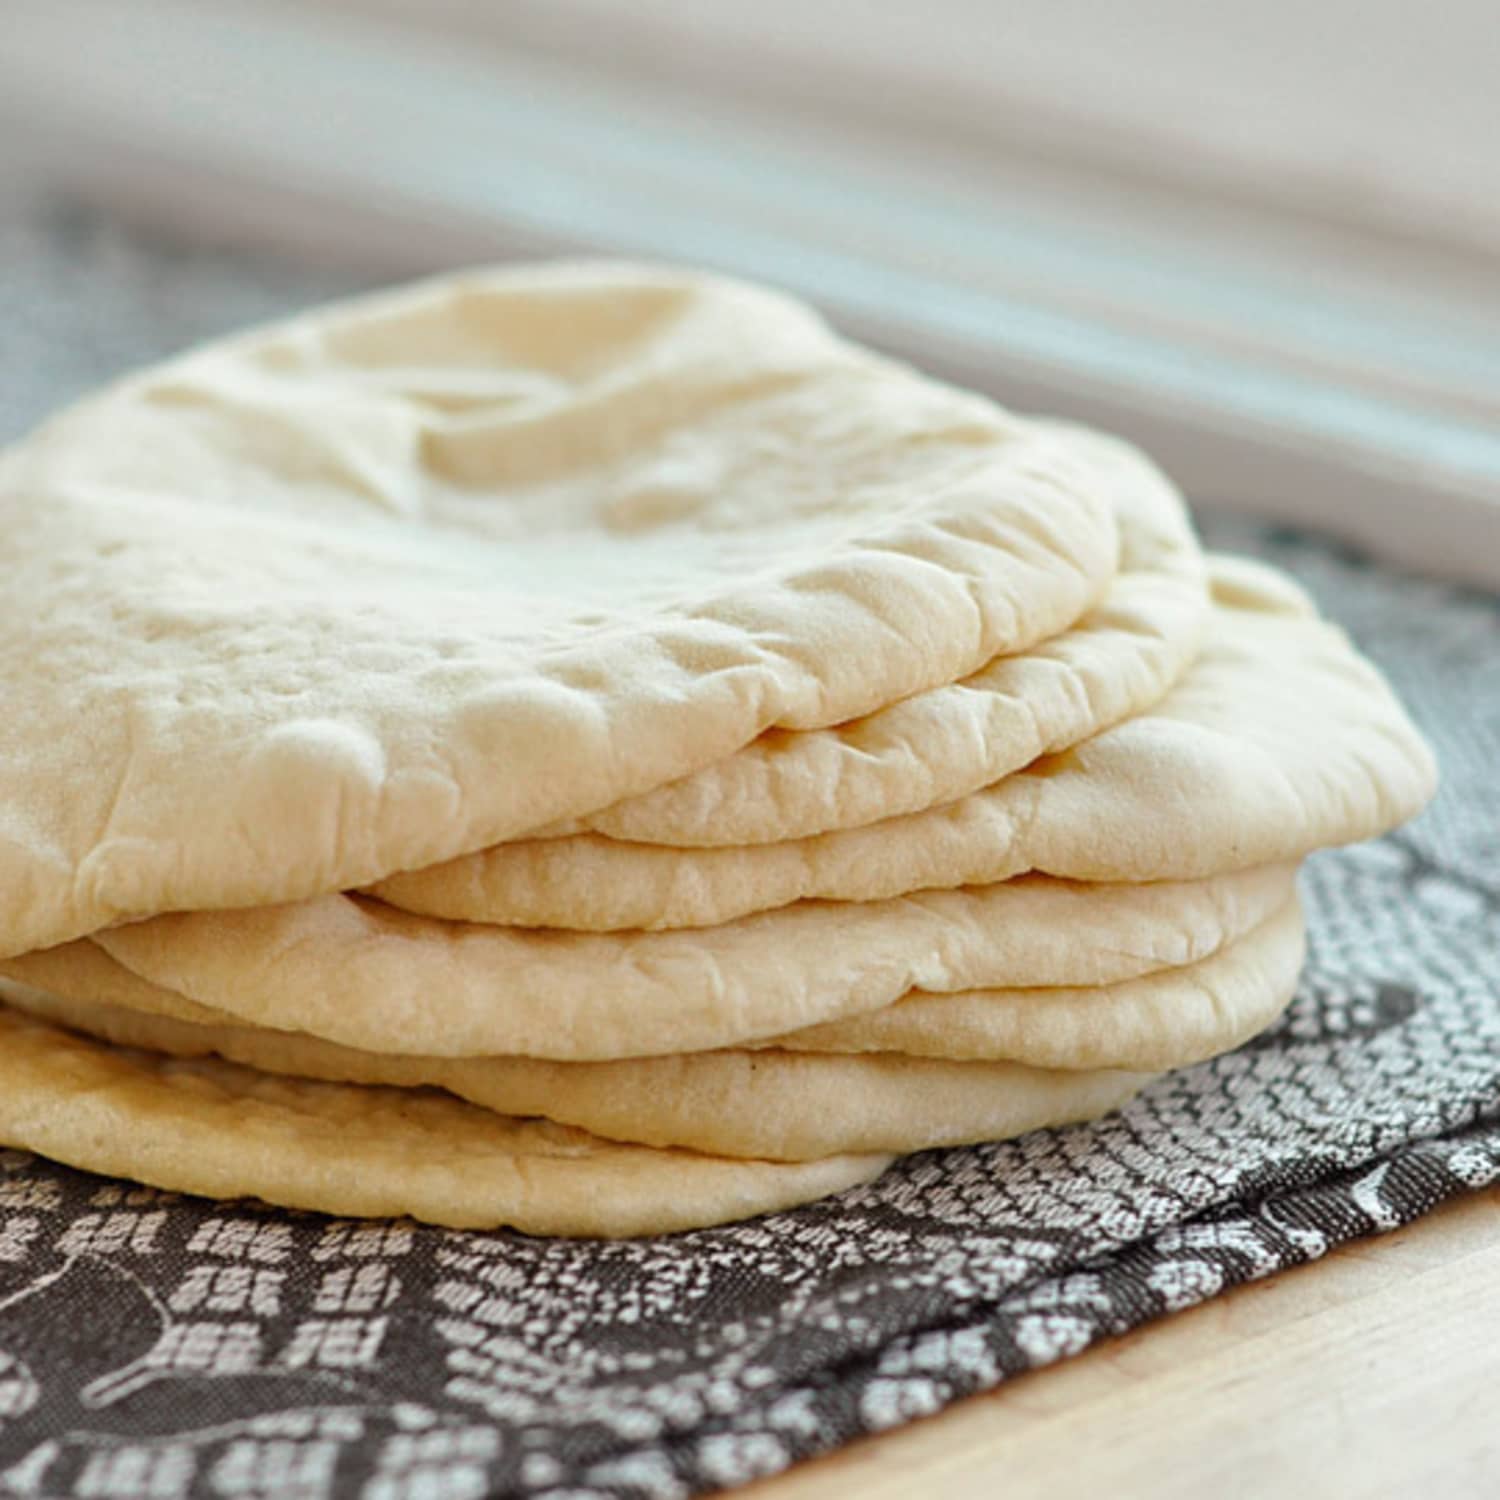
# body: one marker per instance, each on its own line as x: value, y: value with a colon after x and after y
x: 405, y: 578
x: 1278, y: 740
x: 1122, y: 656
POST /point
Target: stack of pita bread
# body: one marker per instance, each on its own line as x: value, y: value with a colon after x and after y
x: 587, y: 749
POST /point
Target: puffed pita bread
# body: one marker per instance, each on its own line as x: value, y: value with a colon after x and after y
x: 354, y: 971
x: 210, y: 1127
x: 779, y: 1106
x: 409, y: 576
x: 1121, y: 657
x: 1163, y: 1020
x: 1279, y: 739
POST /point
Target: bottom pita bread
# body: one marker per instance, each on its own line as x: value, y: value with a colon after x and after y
x: 210, y: 1127
x: 782, y: 1106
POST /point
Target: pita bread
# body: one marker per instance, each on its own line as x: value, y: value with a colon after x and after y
x: 1279, y: 739
x: 1119, y: 658
x: 206, y: 1126
x: 1163, y: 1020
x: 1169, y: 1017
x: 782, y: 1106
x: 354, y: 971
x: 409, y: 576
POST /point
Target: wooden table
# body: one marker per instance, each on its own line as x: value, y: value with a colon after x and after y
x: 1374, y: 1372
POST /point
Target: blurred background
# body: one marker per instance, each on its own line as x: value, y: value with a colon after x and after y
x: 1262, y: 240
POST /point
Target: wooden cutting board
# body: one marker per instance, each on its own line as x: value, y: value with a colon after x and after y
x: 1373, y: 1372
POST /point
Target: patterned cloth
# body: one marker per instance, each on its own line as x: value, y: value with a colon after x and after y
x: 157, y: 1346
